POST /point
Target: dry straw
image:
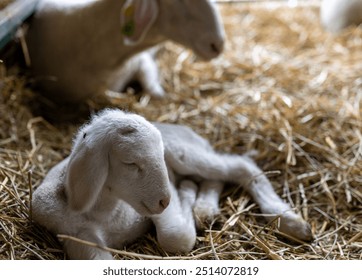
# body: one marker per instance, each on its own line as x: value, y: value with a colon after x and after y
x: 4, y: 3
x: 283, y: 87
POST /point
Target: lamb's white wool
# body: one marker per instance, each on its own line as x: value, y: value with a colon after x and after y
x: 207, y: 204
x: 186, y: 153
x: 78, y: 49
x: 124, y: 172
x: 339, y: 14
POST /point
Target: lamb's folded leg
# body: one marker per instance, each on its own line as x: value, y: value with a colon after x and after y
x: 78, y: 251
x: 175, y: 226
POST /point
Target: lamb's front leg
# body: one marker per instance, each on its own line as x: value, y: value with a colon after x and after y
x: 79, y: 251
x: 175, y: 227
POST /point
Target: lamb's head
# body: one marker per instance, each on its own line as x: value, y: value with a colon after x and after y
x: 194, y: 24
x: 123, y: 154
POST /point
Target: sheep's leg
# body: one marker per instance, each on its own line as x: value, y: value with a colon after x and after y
x: 78, y: 251
x: 175, y: 227
x: 142, y: 68
x: 148, y: 75
x: 207, y: 202
x: 241, y: 170
x: 125, y: 74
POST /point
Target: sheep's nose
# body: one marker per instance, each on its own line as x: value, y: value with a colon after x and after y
x: 208, y: 46
x: 164, y: 203
x: 217, y: 47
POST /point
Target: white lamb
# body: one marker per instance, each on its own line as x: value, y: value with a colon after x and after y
x: 122, y: 174
x: 339, y: 14
x: 82, y: 48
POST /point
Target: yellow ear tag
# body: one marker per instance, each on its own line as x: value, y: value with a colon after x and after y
x: 128, y: 28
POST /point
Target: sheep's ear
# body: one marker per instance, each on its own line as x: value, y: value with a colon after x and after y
x: 137, y: 16
x: 86, y: 174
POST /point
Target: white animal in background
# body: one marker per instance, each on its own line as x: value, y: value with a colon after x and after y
x: 125, y: 173
x: 339, y: 14
x: 79, y: 48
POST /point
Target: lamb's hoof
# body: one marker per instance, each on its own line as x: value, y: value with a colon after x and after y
x: 294, y: 225
x: 156, y: 92
x: 204, y: 212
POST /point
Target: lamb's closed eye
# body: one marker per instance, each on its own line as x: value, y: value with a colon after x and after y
x: 133, y: 167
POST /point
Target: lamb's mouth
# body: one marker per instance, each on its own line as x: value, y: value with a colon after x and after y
x: 147, y: 211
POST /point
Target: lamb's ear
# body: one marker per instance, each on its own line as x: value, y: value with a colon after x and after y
x: 137, y: 16
x: 86, y: 174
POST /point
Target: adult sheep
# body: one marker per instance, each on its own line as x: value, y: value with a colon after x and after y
x: 81, y: 48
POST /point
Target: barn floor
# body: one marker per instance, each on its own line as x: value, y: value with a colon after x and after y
x: 283, y: 87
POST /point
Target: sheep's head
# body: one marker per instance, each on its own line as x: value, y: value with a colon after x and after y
x: 124, y: 153
x: 194, y: 24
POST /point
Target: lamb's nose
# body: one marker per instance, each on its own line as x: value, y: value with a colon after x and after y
x: 164, y: 203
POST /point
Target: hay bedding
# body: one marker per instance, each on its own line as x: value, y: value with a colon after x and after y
x: 283, y: 87
x: 4, y: 3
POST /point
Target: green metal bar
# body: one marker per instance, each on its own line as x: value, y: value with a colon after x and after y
x: 12, y: 16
